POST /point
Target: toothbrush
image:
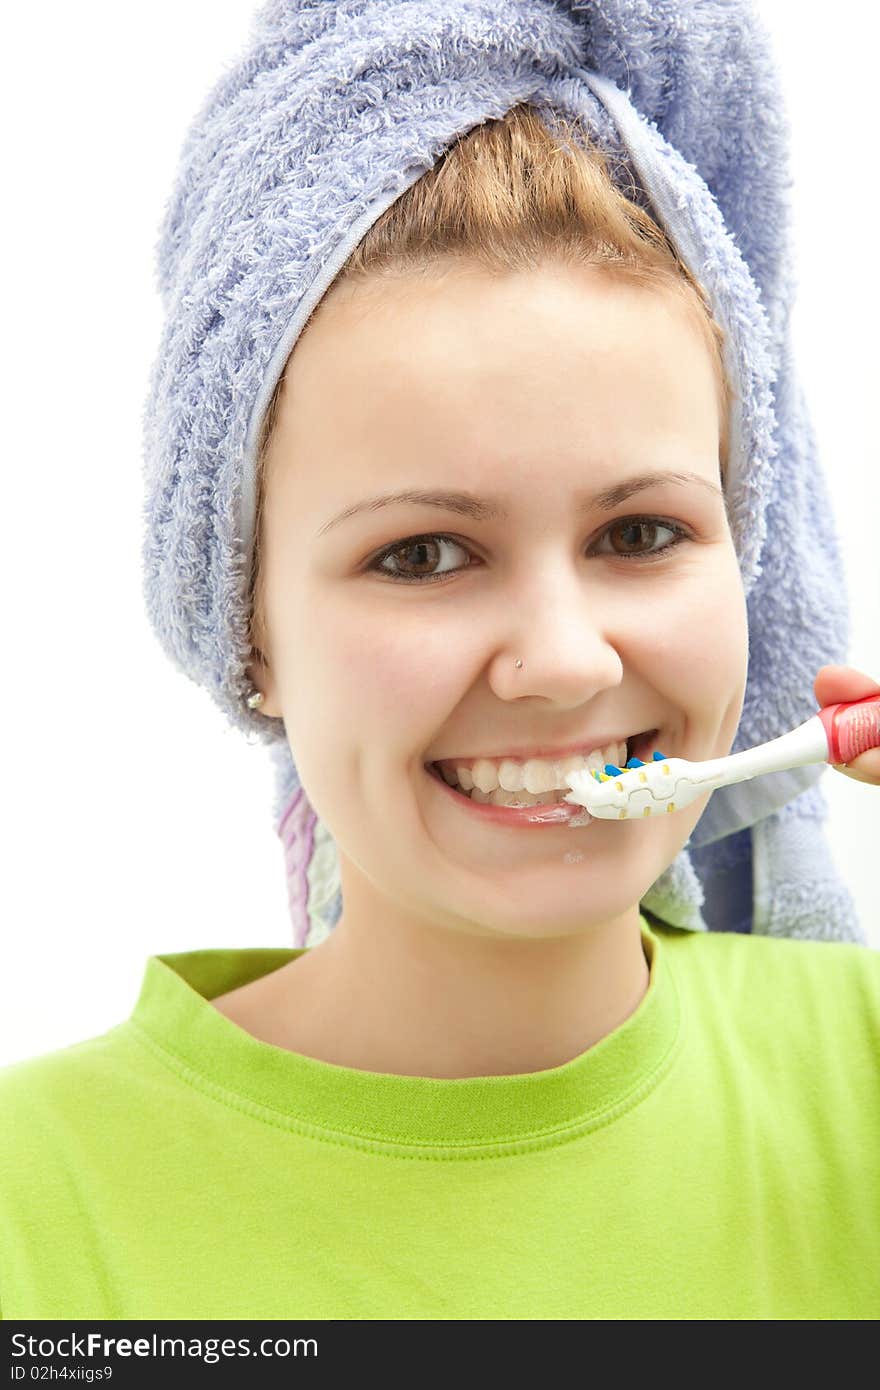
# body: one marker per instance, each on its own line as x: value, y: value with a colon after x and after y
x: 837, y: 734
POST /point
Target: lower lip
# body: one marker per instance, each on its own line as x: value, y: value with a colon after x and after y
x: 516, y: 817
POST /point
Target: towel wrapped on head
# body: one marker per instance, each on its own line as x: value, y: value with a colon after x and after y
x: 331, y: 114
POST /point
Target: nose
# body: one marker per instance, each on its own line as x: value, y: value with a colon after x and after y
x: 564, y: 641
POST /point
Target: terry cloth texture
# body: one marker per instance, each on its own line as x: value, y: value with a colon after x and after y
x: 331, y: 112
x: 715, y: 1156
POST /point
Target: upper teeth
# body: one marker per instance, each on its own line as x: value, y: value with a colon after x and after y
x: 535, y: 775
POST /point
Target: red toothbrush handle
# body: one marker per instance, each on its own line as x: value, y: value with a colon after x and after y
x: 851, y: 727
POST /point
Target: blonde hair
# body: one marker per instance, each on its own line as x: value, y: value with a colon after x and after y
x: 509, y: 196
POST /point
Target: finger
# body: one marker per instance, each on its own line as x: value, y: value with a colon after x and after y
x: 864, y: 768
x: 836, y: 684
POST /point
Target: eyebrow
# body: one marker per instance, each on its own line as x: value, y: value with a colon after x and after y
x: 491, y: 508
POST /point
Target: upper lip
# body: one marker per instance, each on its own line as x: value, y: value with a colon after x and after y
x: 585, y: 745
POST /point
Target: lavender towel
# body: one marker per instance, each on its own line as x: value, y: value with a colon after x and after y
x: 329, y: 114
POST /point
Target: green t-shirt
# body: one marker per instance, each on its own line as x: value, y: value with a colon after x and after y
x: 716, y: 1156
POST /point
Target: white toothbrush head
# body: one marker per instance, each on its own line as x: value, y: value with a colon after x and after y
x: 837, y: 733
x: 639, y: 790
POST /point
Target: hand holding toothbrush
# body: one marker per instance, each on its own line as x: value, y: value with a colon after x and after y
x: 845, y: 733
x: 835, y: 683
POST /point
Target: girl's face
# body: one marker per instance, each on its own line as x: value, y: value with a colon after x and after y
x: 393, y: 630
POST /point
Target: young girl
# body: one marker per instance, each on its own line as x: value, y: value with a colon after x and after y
x: 460, y: 446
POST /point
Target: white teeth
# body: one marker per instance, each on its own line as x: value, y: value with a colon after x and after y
x: 522, y: 798
x: 573, y: 763
x: 539, y: 776
x: 510, y: 775
x: 485, y: 775
x: 535, y: 774
x: 500, y: 797
x: 536, y: 778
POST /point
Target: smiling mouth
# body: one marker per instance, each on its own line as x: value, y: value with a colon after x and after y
x: 637, y: 746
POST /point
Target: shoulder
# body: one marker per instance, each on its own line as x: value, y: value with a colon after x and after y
x: 47, y: 1098
x: 33, y: 1076
x: 24, y: 1083
x: 817, y: 1002
x: 740, y: 952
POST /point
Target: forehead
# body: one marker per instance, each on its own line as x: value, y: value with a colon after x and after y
x: 472, y: 370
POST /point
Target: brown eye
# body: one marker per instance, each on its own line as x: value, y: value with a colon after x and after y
x: 415, y: 559
x: 632, y: 535
x: 636, y: 537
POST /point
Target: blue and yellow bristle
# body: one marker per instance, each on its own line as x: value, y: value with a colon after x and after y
x: 612, y: 771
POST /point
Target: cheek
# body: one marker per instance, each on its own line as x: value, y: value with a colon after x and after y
x: 701, y: 644
x: 377, y: 687
x: 709, y: 632
x: 383, y: 672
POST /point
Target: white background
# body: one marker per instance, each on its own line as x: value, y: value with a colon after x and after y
x: 137, y: 821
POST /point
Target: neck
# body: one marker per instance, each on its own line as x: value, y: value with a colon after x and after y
x: 436, y: 1002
